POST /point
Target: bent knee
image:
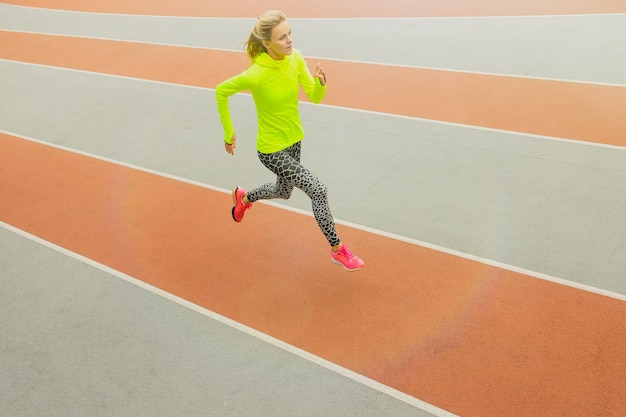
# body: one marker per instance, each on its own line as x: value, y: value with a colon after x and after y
x: 319, y: 191
x: 285, y: 195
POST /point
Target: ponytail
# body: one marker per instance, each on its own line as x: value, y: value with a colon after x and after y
x: 254, y: 47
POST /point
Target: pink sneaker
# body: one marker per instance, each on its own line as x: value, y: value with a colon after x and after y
x: 346, y: 259
x: 238, y: 207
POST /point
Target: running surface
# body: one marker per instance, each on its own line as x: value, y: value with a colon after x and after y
x: 568, y: 110
x: 467, y: 337
x: 330, y: 8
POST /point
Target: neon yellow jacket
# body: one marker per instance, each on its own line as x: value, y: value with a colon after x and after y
x: 275, y: 87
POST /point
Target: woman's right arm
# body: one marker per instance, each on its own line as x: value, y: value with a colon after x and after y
x: 236, y: 84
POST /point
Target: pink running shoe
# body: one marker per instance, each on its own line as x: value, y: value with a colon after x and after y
x: 238, y: 207
x: 346, y: 259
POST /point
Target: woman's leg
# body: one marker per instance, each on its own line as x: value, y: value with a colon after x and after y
x: 290, y: 173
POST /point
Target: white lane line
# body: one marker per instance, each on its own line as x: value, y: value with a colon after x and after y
x: 391, y: 392
x: 306, y: 103
x: 530, y: 16
x: 500, y: 265
x: 431, y: 68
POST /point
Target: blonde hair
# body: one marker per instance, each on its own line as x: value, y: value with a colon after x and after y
x: 262, y: 31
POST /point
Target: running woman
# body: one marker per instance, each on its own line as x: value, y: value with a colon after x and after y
x: 274, y: 77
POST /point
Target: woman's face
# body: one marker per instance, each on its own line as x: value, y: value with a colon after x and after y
x: 280, y: 43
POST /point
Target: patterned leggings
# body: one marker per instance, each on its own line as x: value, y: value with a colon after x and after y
x: 290, y: 173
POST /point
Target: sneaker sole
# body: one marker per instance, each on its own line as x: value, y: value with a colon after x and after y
x: 232, y: 212
x: 345, y: 267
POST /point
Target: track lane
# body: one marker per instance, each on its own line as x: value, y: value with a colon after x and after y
x: 576, y: 111
x: 432, y: 325
x: 329, y: 8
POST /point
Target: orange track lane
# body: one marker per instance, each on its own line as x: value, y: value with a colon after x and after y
x: 586, y: 112
x: 467, y: 337
x: 331, y: 8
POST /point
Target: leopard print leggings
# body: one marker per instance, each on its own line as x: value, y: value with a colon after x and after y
x: 290, y: 173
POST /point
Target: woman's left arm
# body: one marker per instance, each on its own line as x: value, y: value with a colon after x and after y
x: 314, y: 87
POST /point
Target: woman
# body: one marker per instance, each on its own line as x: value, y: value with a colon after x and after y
x: 274, y: 78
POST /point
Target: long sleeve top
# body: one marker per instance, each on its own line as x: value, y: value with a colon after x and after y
x: 274, y: 85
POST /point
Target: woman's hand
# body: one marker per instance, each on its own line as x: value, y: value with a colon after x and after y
x: 230, y: 147
x: 320, y: 74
